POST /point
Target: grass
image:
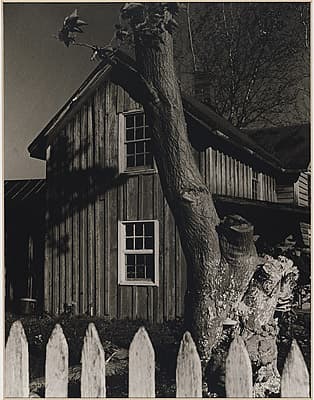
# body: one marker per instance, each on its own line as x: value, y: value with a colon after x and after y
x: 117, y: 334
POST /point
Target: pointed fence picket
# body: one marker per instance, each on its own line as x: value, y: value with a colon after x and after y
x: 294, y: 382
x: 189, y: 370
x: 93, y: 376
x: 16, y: 363
x: 141, y: 366
x: 57, y: 359
x: 239, y: 376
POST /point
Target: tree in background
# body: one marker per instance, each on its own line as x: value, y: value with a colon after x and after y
x: 252, y: 61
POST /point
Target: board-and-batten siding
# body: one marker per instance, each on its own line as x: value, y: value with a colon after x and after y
x: 227, y: 176
x: 82, y: 219
x: 81, y: 252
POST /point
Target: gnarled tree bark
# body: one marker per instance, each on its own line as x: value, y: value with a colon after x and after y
x: 221, y: 257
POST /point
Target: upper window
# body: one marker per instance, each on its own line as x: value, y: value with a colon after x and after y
x: 138, y: 252
x: 135, y: 142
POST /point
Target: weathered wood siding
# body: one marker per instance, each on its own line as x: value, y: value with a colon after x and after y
x: 297, y: 193
x: 228, y: 176
x: 303, y: 190
x: 86, y: 199
x: 83, y: 214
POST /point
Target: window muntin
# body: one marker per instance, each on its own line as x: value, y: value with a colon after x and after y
x: 137, y: 142
x: 138, y: 247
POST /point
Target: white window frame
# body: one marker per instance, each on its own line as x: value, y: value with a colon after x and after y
x: 122, y: 156
x: 122, y: 280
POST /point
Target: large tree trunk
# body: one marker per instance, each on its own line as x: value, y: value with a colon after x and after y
x: 220, y: 257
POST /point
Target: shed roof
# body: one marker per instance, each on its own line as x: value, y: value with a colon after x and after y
x: 24, y: 189
x: 214, y: 124
x: 290, y: 144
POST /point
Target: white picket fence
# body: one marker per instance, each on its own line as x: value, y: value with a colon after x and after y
x: 238, y: 381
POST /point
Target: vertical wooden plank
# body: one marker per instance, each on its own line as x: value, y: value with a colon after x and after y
x: 295, y: 381
x: 218, y: 172
x: 48, y: 232
x: 57, y: 359
x: 76, y: 218
x: 189, y: 370
x: 141, y: 366
x: 250, y: 189
x: 223, y: 174
x: 16, y: 363
x: 91, y: 210
x: 62, y: 206
x: 93, y: 378
x: 214, y: 171
x: 239, y: 376
x: 236, y: 178
x: 99, y: 220
x: 83, y: 216
x: 69, y: 216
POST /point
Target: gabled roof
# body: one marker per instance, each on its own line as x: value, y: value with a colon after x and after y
x: 215, y: 126
x: 290, y: 144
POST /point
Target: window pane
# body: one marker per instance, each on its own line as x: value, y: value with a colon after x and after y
x: 129, y: 244
x: 130, y: 148
x: 140, y: 160
x: 139, y: 133
x: 150, y: 267
x: 140, y: 272
x: 129, y: 229
x: 148, y: 146
x: 147, y: 132
x: 130, y: 259
x: 140, y: 147
x: 139, y: 119
x: 138, y: 243
x: 130, y: 161
x: 149, y: 243
x: 149, y: 160
x: 129, y: 121
x: 139, y: 229
x: 149, y: 228
x: 130, y: 134
x: 130, y: 272
x: 140, y: 259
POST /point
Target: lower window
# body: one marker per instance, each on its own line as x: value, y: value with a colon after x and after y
x: 138, y: 253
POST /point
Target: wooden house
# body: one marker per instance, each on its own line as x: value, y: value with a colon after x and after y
x: 112, y: 247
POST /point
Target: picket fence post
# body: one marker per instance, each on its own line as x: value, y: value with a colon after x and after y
x: 239, y: 375
x: 16, y: 363
x: 93, y: 376
x: 57, y: 364
x: 189, y: 370
x: 141, y: 366
x: 295, y: 381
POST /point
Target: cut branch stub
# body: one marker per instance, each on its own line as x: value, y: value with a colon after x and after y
x: 16, y: 363
x: 57, y: 364
x: 239, y: 376
x: 295, y: 376
x: 141, y: 366
x: 93, y: 378
x: 189, y: 370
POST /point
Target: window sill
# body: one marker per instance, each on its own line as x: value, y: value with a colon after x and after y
x: 138, y: 283
x: 139, y: 172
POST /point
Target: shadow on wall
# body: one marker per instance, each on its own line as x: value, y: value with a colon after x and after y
x: 75, y: 180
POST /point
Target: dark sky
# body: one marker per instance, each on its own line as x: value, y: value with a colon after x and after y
x: 40, y: 73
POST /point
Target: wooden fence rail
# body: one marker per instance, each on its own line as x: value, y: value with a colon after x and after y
x: 238, y: 379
